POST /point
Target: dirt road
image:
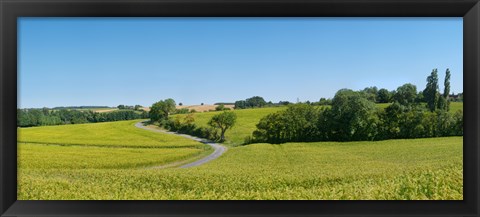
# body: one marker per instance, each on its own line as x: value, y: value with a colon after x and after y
x: 219, y: 149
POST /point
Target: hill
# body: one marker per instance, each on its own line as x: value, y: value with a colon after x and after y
x: 248, y: 118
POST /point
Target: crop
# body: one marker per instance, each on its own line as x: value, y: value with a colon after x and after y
x: 39, y: 156
x: 109, y: 134
x: 413, y: 169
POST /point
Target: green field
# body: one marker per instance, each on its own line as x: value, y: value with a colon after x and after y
x: 102, y: 145
x: 393, y: 169
x: 117, y: 161
x: 108, y: 134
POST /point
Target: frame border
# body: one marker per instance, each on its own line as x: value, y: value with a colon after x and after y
x: 10, y: 10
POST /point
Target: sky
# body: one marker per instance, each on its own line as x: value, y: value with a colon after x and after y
x: 113, y: 61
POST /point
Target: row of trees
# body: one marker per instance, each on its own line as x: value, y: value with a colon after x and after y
x: 45, y: 116
x: 353, y: 116
x: 130, y: 107
x: 252, y: 102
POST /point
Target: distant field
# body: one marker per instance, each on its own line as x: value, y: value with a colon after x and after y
x: 197, y: 108
x: 105, y: 110
x: 418, y: 169
x: 455, y: 106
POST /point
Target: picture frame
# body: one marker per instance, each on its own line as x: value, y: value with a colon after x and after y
x: 10, y: 10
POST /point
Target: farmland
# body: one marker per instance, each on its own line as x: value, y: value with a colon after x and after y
x: 109, y: 134
x: 393, y: 169
x: 118, y: 161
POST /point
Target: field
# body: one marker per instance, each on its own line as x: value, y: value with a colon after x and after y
x: 108, y: 134
x: 248, y: 118
x: 117, y: 161
x: 395, y: 169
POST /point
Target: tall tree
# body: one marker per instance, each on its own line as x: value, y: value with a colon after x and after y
x: 431, y: 90
x: 446, y: 83
x: 444, y: 103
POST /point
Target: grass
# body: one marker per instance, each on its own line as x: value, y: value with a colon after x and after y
x: 419, y: 169
x: 456, y: 106
x: 108, y: 134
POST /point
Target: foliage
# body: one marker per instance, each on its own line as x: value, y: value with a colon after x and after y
x: 182, y: 111
x: 370, y: 93
x: 406, y: 95
x: 252, y: 102
x: 431, y: 90
x: 161, y: 109
x: 47, y: 117
x: 384, y: 96
x: 220, y: 108
x: 352, y: 117
x: 292, y: 124
x: 223, y: 122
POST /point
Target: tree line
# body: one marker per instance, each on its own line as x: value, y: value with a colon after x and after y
x: 354, y: 116
x: 45, y: 116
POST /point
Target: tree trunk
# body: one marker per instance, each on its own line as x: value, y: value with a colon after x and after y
x: 222, y: 136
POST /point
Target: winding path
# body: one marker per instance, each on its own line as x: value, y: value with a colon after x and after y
x: 219, y: 149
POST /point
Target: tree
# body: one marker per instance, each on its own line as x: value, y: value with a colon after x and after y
x: 371, y: 93
x: 431, y: 90
x: 324, y: 101
x: 442, y: 103
x: 298, y: 123
x: 446, y: 91
x: 446, y: 84
x: 223, y: 121
x: 384, y: 96
x: 352, y: 117
x: 161, y: 109
x: 180, y: 104
x: 121, y: 106
x: 406, y: 94
x: 138, y: 107
x: 240, y: 104
x: 255, y: 101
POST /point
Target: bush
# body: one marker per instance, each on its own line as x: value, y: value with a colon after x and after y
x: 220, y: 108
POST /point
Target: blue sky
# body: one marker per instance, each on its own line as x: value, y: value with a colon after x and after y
x: 112, y: 61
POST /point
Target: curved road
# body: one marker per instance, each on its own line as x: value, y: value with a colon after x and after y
x: 219, y: 149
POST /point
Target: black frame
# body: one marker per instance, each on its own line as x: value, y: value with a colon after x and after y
x: 11, y: 9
